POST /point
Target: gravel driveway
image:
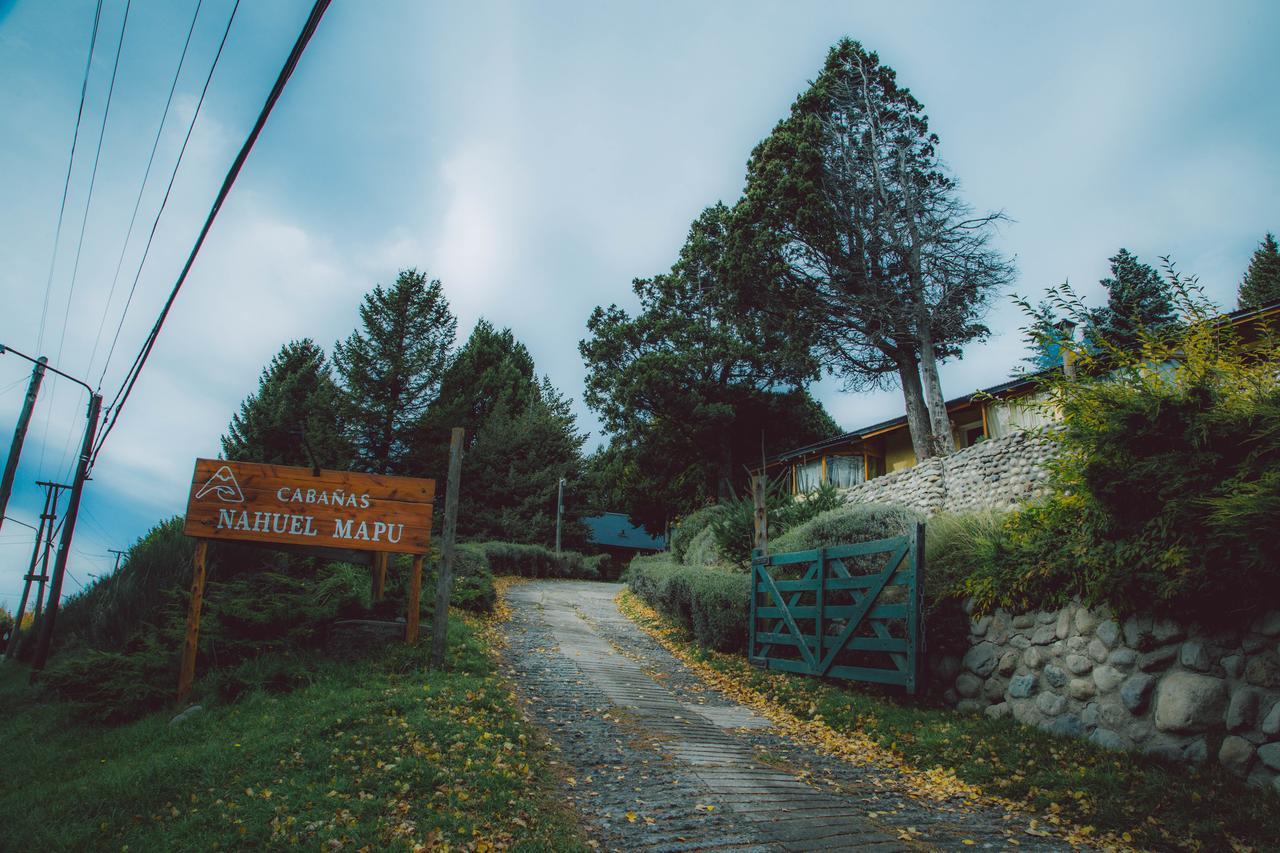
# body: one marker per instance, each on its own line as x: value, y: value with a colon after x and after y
x: 654, y: 759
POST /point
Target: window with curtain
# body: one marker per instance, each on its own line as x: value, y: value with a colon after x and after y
x: 844, y: 471
x: 808, y: 476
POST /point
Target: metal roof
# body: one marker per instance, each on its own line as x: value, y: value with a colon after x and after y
x: 616, y: 529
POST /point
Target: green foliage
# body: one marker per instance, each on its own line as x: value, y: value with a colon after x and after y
x: 852, y: 237
x: 110, y: 686
x: 109, y: 611
x: 848, y: 524
x: 535, y: 561
x: 472, y: 581
x: 1139, y: 301
x: 686, y: 388
x: 1169, y: 473
x: 710, y: 603
x: 1261, y: 284
x: 382, y: 735
x: 735, y: 530
x: 513, y: 470
x: 295, y: 416
x: 688, y: 528
x: 491, y: 370
x: 390, y: 368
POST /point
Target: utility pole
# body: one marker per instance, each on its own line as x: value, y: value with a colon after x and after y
x: 119, y: 556
x: 20, y: 431
x: 559, y: 512
x: 44, y: 538
x: 68, y: 529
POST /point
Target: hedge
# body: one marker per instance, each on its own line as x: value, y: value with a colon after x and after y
x: 710, y: 603
x: 535, y: 561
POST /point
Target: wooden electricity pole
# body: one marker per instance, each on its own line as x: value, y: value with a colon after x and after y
x: 64, y: 547
x: 440, y: 622
x: 46, y: 522
x: 20, y: 431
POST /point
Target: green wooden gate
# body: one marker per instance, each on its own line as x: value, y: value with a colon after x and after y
x: 851, y: 612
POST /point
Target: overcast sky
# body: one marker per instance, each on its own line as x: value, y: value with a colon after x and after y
x: 536, y: 157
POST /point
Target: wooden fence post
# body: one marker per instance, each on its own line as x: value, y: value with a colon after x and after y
x: 415, y: 602
x: 761, y: 517
x: 379, y: 572
x: 440, y: 621
x: 188, y: 672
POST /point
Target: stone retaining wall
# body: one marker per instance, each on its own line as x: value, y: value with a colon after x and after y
x: 1000, y: 473
x: 1142, y: 684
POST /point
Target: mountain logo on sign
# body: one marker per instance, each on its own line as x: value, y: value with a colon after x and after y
x: 224, y: 487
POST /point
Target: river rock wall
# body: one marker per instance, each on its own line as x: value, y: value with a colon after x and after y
x: 1000, y: 474
x: 1139, y: 684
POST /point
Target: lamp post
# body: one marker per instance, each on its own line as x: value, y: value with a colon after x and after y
x: 559, y: 512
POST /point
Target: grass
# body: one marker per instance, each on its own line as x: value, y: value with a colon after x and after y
x: 376, y: 754
x: 1071, y: 786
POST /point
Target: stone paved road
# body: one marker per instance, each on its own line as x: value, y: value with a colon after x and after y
x: 654, y: 759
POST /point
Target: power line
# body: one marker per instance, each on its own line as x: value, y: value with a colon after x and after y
x: 93, y: 176
x: 165, y: 201
x: 164, y: 117
x: 84, y: 221
x: 62, y: 208
x: 66, y: 184
x: 308, y: 30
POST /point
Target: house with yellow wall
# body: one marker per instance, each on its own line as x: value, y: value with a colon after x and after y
x: 883, y: 448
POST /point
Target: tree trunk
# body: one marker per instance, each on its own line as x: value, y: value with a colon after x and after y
x: 939, y: 423
x: 917, y: 412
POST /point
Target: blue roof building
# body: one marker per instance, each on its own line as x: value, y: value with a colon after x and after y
x: 615, y: 530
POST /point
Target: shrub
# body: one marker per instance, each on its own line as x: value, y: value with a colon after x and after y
x: 1169, y: 472
x: 710, y: 603
x: 847, y: 525
x: 735, y: 527
x: 718, y: 604
x: 535, y: 561
x: 112, y: 687
x: 688, y: 528
x: 704, y: 549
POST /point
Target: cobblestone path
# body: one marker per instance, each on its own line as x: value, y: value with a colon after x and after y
x: 654, y: 759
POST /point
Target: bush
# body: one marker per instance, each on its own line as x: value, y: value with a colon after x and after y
x: 710, y: 603
x: 846, y: 525
x: 112, y: 687
x: 535, y: 561
x: 1168, y: 476
x: 688, y: 528
x: 735, y: 526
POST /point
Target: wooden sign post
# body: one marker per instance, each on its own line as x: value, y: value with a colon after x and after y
x: 275, y: 505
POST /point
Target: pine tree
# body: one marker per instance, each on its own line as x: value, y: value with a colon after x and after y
x: 1138, y: 299
x: 491, y: 369
x: 391, y: 368
x: 1261, y: 284
x: 513, y: 469
x: 295, y: 416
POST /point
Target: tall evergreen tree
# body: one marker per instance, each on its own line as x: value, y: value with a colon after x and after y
x: 391, y: 367
x: 295, y: 416
x: 1138, y: 299
x: 490, y: 370
x: 1261, y: 284
x: 512, y: 472
x: 851, y: 222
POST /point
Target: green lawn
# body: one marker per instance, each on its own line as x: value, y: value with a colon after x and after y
x: 1134, y: 799
x: 382, y: 753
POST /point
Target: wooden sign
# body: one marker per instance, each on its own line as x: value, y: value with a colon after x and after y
x: 276, y: 504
